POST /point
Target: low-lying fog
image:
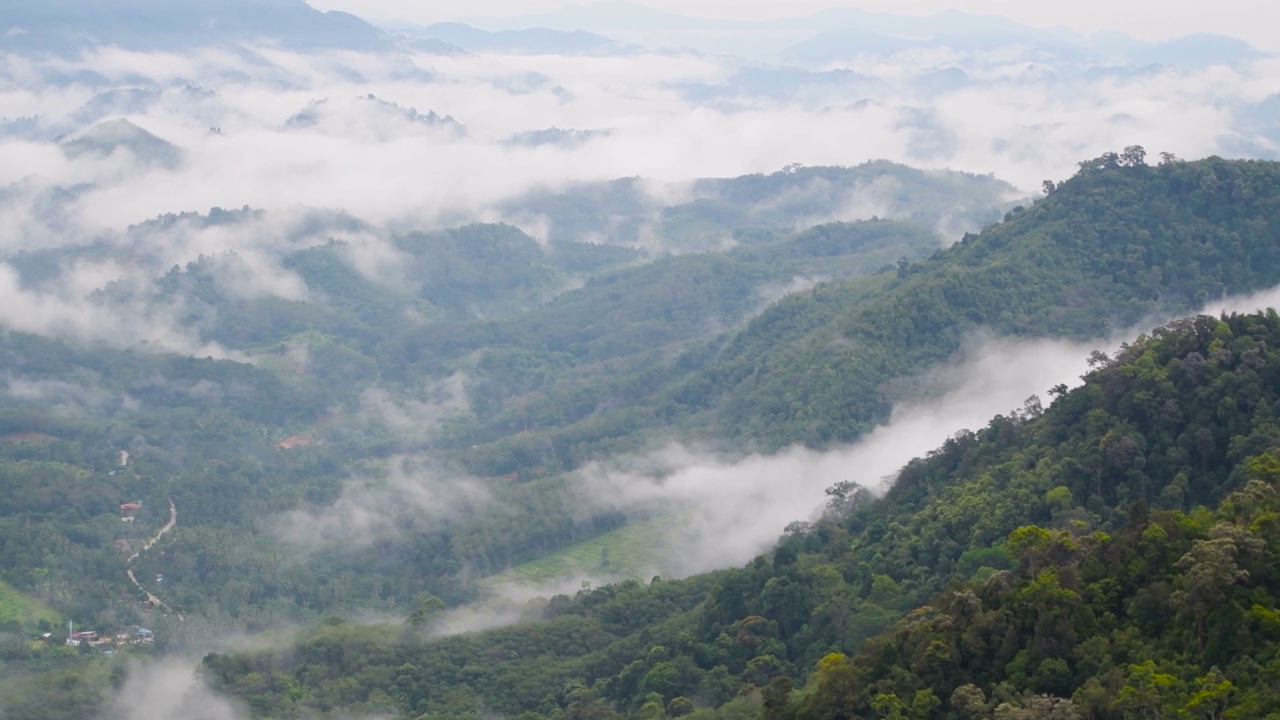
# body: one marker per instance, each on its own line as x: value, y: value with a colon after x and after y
x: 92, y: 145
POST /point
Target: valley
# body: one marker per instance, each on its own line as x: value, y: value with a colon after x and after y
x: 615, y: 364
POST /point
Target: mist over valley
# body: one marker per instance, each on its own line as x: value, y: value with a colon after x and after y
x: 605, y: 361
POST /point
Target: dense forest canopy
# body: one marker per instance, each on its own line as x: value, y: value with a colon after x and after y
x: 297, y: 476
x: 399, y: 449
x: 1110, y: 556
x: 615, y: 363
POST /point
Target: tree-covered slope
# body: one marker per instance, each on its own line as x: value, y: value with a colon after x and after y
x: 1144, y: 581
x: 1120, y: 243
x: 380, y: 391
x: 569, y: 369
x: 670, y: 299
x: 1112, y: 246
x: 244, y: 448
x: 704, y: 214
x: 1112, y: 556
x: 64, y: 26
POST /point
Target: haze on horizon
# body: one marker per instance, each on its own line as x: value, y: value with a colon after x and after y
x: 424, y: 137
x: 1149, y: 20
x: 480, y: 298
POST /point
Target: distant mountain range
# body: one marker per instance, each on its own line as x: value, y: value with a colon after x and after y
x: 61, y: 26
x: 68, y: 25
x: 613, y: 27
x: 105, y: 138
x: 1192, y: 51
x: 839, y: 33
x: 525, y: 41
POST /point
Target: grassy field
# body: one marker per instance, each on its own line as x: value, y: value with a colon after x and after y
x: 633, y: 551
x: 24, y: 610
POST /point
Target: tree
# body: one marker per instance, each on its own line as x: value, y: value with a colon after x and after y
x: 1209, y: 571
x: 1030, y: 544
x: 968, y: 700
x: 652, y: 708
x: 1038, y: 707
x: 1133, y: 156
x: 1149, y: 693
x: 776, y: 697
x: 663, y: 679
x: 428, y: 610
x: 889, y: 707
x: 718, y: 686
x: 838, y: 691
x: 679, y: 707
x: 845, y: 497
x: 1210, y: 699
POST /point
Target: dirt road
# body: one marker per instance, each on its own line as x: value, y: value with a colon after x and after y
x: 173, y: 520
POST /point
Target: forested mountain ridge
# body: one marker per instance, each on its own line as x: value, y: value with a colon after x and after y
x: 363, y: 394
x: 242, y: 447
x: 1114, y: 245
x: 635, y: 353
x: 64, y: 27
x: 354, y: 370
x: 1164, y: 609
x: 1119, y: 243
x: 703, y: 214
x: 1111, y: 556
x: 582, y: 371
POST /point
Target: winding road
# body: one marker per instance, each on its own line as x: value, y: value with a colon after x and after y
x: 173, y: 520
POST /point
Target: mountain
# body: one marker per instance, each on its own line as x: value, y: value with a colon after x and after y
x: 525, y: 41
x: 835, y: 45
x: 60, y: 26
x: 379, y: 116
x: 837, y: 35
x: 763, y: 206
x: 756, y: 40
x: 585, y: 362
x: 1263, y: 138
x: 1106, y: 250
x: 116, y: 102
x: 618, y: 16
x: 1065, y: 562
x: 394, y: 424
x: 844, y: 44
x: 556, y: 136
x: 105, y: 138
x: 1194, y: 51
x: 329, y: 393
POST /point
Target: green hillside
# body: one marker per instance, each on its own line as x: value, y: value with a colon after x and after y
x: 1108, y: 248
x: 628, y: 552
x: 699, y: 216
x: 208, y: 433
x: 18, y: 611
x: 1112, y: 556
x: 396, y: 441
x: 1119, y: 243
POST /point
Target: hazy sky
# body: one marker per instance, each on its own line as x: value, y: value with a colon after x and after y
x: 1252, y: 20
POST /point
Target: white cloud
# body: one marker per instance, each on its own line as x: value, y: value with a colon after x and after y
x: 78, y: 318
x: 408, y: 495
x: 169, y: 689
x: 396, y: 172
x: 383, y: 168
x: 1151, y: 19
x: 722, y: 512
